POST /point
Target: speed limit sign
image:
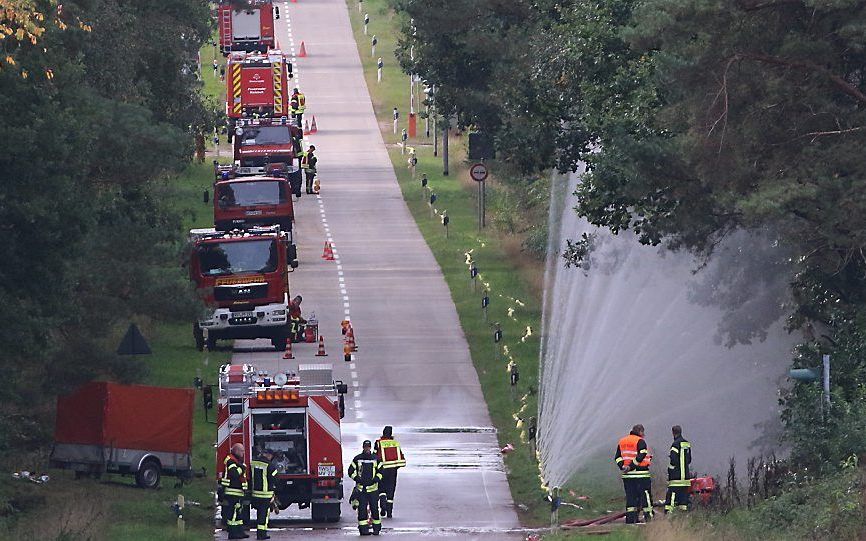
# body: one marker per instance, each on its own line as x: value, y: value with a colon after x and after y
x: 478, y: 172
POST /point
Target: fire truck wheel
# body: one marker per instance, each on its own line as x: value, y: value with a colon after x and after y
x: 148, y: 474
x: 279, y: 343
x: 326, y: 512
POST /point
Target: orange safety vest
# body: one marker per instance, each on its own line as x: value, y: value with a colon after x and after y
x: 628, y: 452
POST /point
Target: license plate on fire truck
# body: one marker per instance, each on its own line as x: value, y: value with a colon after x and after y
x: 327, y: 470
x: 253, y: 212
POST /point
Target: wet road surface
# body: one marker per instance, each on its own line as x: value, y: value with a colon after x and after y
x: 413, y: 368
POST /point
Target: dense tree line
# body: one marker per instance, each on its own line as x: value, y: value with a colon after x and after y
x: 696, y: 118
x: 98, y: 110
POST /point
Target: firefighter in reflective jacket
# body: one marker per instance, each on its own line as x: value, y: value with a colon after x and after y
x: 391, y: 458
x: 633, y: 458
x: 308, y: 164
x: 263, y: 475
x: 298, y: 103
x: 294, y: 106
x: 365, y: 471
x: 679, y: 478
x: 234, y: 488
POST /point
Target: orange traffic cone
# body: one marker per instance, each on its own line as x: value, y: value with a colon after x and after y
x: 317, y: 187
x: 344, y: 326
x: 350, y: 339
x: 288, y: 353
x: 347, y: 353
x: 303, y: 53
x: 328, y: 254
x: 307, y: 127
x: 321, y: 352
x: 313, y: 127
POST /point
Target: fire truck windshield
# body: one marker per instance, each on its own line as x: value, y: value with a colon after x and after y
x: 245, y: 194
x: 221, y: 258
x: 266, y: 135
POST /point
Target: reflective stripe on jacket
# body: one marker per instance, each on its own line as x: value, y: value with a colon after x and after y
x: 262, y: 477
x: 234, y: 477
x: 366, y: 472
x: 680, y: 459
x: 389, y: 453
x: 633, y: 453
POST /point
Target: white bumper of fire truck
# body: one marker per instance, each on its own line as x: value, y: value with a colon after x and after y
x: 266, y: 315
x: 245, y: 171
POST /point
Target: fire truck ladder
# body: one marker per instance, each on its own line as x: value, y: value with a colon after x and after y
x: 226, y: 28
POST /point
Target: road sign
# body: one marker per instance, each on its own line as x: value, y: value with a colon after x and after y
x: 478, y: 172
x: 133, y: 342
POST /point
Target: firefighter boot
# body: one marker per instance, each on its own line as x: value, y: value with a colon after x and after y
x: 237, y: 532
x: 262, y: 534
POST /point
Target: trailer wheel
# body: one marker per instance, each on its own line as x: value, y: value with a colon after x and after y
x: 148, y: 474
x: 326, y: 512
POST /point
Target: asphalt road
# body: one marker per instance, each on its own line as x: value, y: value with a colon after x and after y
x: 413, y: 368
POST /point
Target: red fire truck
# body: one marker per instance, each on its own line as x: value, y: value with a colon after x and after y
x: 297, y: 417
x: 239, y: 203
x: 243, y: 276
x: 258, y: 83
x: 261, y: 144
x: 246, y: 25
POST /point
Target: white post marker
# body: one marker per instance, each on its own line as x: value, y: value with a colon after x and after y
x: 379, y: 66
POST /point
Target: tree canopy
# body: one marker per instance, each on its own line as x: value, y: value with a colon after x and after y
x: 89, y: 240
x: 696, y: 119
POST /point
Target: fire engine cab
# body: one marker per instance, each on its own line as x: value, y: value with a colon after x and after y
x: 243, y: 277
x: 296, y: 416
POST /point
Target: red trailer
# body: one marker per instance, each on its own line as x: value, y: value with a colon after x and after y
x: 246, y: 25
x: 106, y: 427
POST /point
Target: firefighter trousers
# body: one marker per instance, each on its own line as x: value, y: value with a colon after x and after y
x: 646, y: 498
x: 368, y: 500
x: 677, y: 499
x: 310, y: 176
x: 633, y: 493
x: 387, y: 486
x: 263, y: 514
x: 233, y: 516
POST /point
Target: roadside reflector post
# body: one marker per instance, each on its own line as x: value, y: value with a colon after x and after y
x: 181, y: 527
x: 473, y: 275
x: 497, y: 338
x: 485, y: 302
